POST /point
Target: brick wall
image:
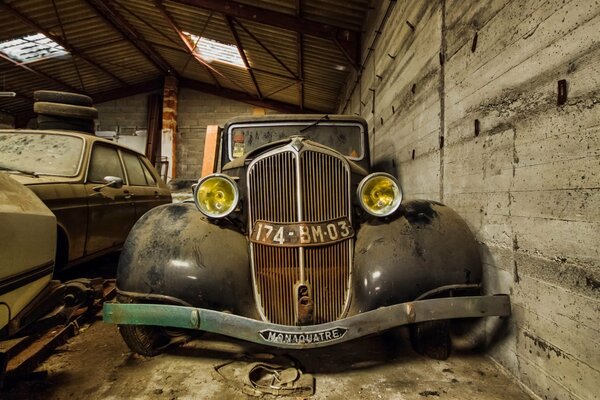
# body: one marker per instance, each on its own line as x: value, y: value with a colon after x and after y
x: 527, y: 181
x: 196, y: 110
x: 127, y: 114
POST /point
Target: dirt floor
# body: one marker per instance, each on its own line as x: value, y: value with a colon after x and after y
x: 96, y: 364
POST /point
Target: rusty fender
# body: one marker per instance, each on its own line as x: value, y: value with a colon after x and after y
x: 427, y: 246
x: 312, y: 336
x: 174, y: 255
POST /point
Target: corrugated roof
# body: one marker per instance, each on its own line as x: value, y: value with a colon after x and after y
x: 295, y: 57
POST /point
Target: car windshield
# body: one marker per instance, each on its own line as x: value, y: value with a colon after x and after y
x: 344, y: 137
x: 47, y: 154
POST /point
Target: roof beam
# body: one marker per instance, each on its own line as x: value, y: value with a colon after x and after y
x: 129, y: 90
x: 71, y: 49
x: 273, y: 18
x: 40, y: 73
x: 112, y: 16
x: 243, y: 97
x: 238, y: 44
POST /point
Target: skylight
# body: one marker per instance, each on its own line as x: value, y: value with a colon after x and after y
x: 31, y: 48
x: 212, y: 50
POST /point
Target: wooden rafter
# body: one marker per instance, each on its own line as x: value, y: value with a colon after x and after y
x: 190, y: 47
x: 265, y: 48
x: 300, y: 55
x: 243, y: 97
x: 39, y: 73
x: 71, y: 49
x: 273, y: 18
x: 114, y: 18
x: 240, y: 48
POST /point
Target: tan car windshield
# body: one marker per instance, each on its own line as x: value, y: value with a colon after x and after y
x: 345, y: 138
x: 47, y: 154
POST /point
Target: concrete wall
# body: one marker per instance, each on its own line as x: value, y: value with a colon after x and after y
x: 528, y: 183
x: 196, y: 110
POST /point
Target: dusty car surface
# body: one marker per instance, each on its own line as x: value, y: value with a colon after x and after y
x: 26, y: 254
x: 294, y: 242
x: 96, y: 188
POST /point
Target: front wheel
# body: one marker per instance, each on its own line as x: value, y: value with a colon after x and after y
x: 149, y: 340
x: 432, y: 339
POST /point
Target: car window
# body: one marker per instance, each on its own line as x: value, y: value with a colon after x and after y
x: 149, y: 176
x: 50, y: 154
x: 135, y: 172
x: 105, y: 161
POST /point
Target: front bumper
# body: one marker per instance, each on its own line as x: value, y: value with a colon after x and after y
x: 304, y: 337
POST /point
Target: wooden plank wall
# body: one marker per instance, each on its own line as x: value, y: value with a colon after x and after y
x: 527, y: 182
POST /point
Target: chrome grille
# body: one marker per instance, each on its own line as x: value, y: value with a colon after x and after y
x: 322, y: 181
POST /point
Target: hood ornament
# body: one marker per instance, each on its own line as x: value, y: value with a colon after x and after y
x: 297, y: 143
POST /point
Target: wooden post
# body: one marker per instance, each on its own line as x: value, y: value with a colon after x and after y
x: 169, y: 125
x: 211, y: 150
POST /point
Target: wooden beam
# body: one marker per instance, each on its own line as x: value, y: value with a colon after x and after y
x: 300, y: 55
x: 40, y: 73
x: 240, y: 48
x: 273, y: 18
x: 71, y: 49
x: 245, y: 97
x: 112, y: 16
x: 130, y: 90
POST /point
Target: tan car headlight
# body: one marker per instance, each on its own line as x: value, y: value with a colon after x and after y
x: 216, y: 196
x: 379, y: 194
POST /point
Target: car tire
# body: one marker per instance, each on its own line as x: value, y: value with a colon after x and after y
x: 53, y: 96
x: 148, y: 341
x: 51, y: 122
x: 432, y: 339
x: 65, y: 110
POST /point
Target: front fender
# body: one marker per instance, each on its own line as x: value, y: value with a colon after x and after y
x: 174, y: 251
x: 427, y: 246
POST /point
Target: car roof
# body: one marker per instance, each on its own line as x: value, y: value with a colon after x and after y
x: 85, y: 136
x: 308, y: 118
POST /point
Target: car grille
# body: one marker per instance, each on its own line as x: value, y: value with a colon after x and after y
x: 323, y: 189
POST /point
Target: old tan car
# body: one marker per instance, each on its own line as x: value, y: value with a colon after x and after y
x: 26, y: 254
x: 96, y: 188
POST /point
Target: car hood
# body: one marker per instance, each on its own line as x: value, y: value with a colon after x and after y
x: 32, y: 180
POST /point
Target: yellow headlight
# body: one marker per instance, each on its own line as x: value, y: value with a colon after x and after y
x: 216, y: 196
x: 379, y: 194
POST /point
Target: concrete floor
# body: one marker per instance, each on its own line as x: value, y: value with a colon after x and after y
x: 97, y: 364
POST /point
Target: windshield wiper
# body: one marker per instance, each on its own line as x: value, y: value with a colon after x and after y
x: 22, y: 171
x: 317, y: 122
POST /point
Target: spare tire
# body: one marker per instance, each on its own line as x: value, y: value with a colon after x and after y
x: 53, y: 96
x: 65, y: 110
x: 62, y: 123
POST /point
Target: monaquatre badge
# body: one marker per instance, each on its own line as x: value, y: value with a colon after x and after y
x: 298, y: 338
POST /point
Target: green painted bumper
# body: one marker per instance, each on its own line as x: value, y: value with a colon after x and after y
x: 312, y: 336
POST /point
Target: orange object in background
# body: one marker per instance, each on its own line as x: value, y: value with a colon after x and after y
x: 211, y: 148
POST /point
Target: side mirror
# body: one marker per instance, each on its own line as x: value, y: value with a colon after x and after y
x: 113, y: 182
x: 110, y: 181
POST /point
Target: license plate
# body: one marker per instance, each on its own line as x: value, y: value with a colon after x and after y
x: 301, y: 233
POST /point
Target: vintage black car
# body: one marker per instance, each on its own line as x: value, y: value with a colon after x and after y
x: 294, y: 242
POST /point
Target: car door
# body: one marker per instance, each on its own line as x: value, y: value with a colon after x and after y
x: 111, y: 210
x: 144, y: 186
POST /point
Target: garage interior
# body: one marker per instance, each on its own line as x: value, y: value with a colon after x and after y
x: 492, y: 108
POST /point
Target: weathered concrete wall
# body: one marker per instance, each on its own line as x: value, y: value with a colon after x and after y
x: 527, y: 181
x: 196, y: 111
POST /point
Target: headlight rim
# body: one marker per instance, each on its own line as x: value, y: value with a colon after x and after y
x: 365, y: 180
x: 236, y: 193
